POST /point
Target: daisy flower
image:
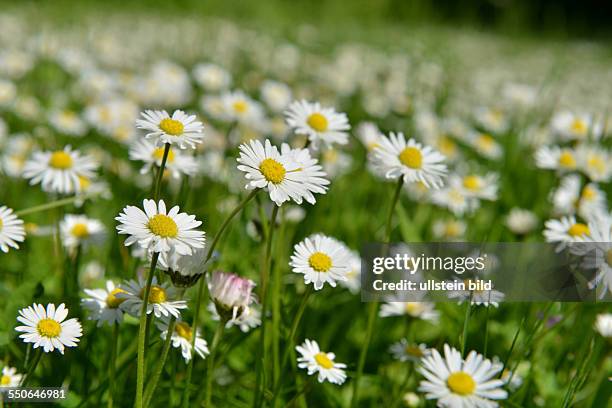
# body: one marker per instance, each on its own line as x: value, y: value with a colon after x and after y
x: 181, y: 338
x: 403, y: 351
x: 596, y: 251
x: 369, y: 134
x: 239, y: 107
x: 453, y: 198
x: 79, y: 230
x: 211, y: 77
x: 456, y: 382
x: 276, y: 95
x: 10, y: 378
x: 293, y: 175
x: 48, y: 328
x: 521, y: 221
x: 569, y: 126
x: 417, y: 310
x: 321, y: 260
x: 482, y: 187
x: 556, y: 158
x: 184, y: 270
x: 160, y: 303
x: 565, y: 230
x: 103, y: 305
x: 68, y: 122
x: 159, y: 231
x: 231, y: 294
x: 353, y: 276
x: 492, y: 119
x: 320, y: 124
x: 180, y: 129
x: 451, y: 229
x: 250, y: 318
x: 12, y: 229
x: 570, y: 198
x: 603, y: 324
x: 320, y: 362
x: 397, y: 157
x: 594, y: 162
x: 485, y: 145
x: 177, y: 163
x: 59, y: 171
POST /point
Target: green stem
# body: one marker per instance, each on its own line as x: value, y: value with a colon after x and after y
x: 276, y: 302
x: 211, y: 362
x: 291, y: 341
x: 265, y: 274
x: 112, y: 365
x: 142, y: 334
x: 160, y: 173
x: 52, y: 204
x: 152, y: 384
x: 373, y: 306
x: 468, y: 313
x: 215, y: 241
x: 32, y: 367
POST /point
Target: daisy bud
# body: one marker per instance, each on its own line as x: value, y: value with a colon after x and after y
x: 184, y: 270
x: 231, y: 294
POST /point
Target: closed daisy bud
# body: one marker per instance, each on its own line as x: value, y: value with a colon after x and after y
x: 231, y: 294
x: 184, y: 270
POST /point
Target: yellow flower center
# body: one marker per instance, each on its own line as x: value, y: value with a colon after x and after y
x: 5, y: 380
x: 157, y: 294
x: 596, y: 163
x: 413, y: 351
x: 80, y: 230
x: 317, y: 121
x: 84, y: 182
x: 413, y: 308
x: 163, y: 226
x: 1, y: 224
x: 452, y: 229
x: 49, y: 328
x: 579, y: 126
x: 411, y: 157
x: 324, y: 361
x: 272, y: 170
x: 320, y: 262
x: 447, y: 146
x: 472, y: 183
x: 485, y: 142
x: 589, y: 193
x: 579, y: 229
x: 158, y: 154
x: 567, y: 160
x: 60, y: 160
x: 171, y: 127
x: 112, y: 301
x: 183, y: 330
x: 461, y: 383
x: 240, y: 106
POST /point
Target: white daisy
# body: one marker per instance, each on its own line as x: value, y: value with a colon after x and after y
x: 180, y: 129
x: 417, y: 310
x: 450, y: 229
x: 181, y: 338
x: 12, y: 229
x: 596, y: 252
x: 397, y: 157
x: 482, y: 187
x: 317, y: 361
x: 211, y: 77
x: 521, y: 221
x: 570, y: 126
x: 321, y: 260
x: 594, y: 161
x: 556, y: 158
x: 48, y: 328
x: 59, y: 171
x: 492, y: 119
x: 80, y: 230
x: 485, y: 145
x: 404, y: 350
x: 565, y: 230
x: 159, y: 231
x: 293, y: 175
x: 276, y: 95
x: 603, y: 324
x: 161, y: 299
x: 68, y: 122
x: 177, y: 162
x: 320, y: 124
x: 184, y: 270
x: 453, y: 197
x: 369, y: 134
x: 569, y: 198
x: 240, y: 108
x: 10, y: 378
x: 456, y: 382
x: 353, y: 276
x: 104, y: 304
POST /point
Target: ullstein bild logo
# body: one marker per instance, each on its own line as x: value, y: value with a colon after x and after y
x: 488, y: 272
